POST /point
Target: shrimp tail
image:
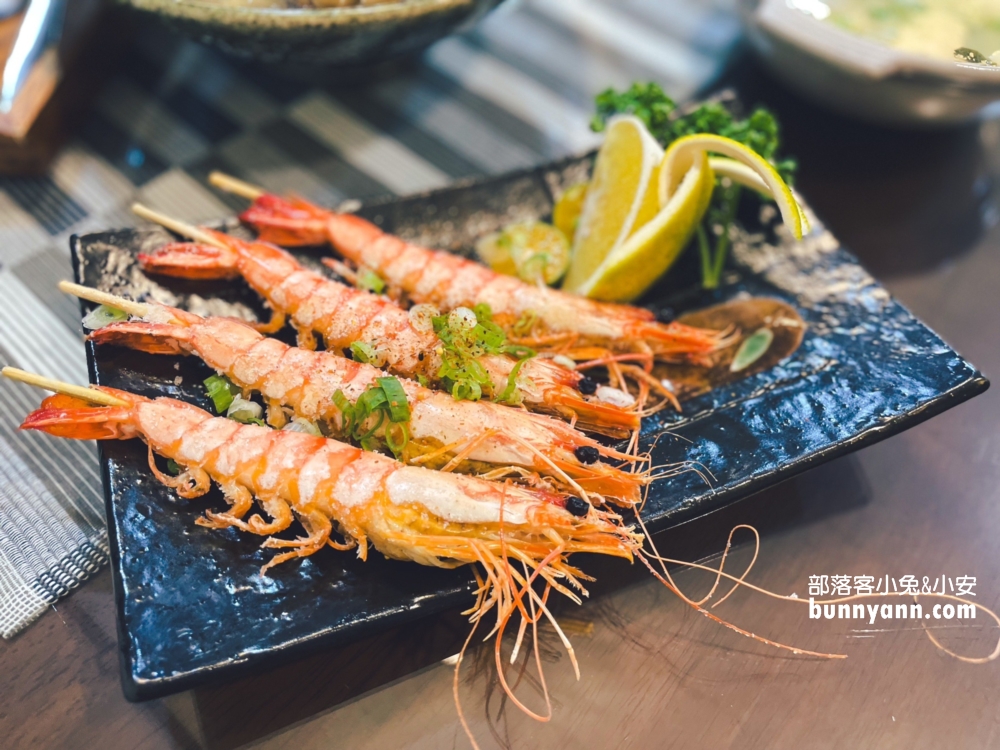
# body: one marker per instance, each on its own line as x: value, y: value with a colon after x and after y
x: 155, y: 338
x: 191, y: 260
x: 290, y: 222
x: 293, y: 222
x: 71, y: 417
x: 604, y: 419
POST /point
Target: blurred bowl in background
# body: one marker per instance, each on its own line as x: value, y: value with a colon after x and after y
x: 348, y: 35
x: 861, y: 77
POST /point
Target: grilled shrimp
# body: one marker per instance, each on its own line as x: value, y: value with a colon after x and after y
x: 449, y: 281
x: 404, y: 343
x: 405, y: 512
x: 469, y: 436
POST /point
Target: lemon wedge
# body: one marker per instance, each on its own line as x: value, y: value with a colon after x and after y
x: 678, y: 156
x: 618, y: 193
x: 632, y: 267
x: 566, y: 212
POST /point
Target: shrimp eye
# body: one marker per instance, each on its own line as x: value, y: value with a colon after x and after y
x: 587, y: 386
x: 577, y: 506
x: 586, y: 454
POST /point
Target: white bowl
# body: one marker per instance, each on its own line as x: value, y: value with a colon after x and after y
x: 861, y: 77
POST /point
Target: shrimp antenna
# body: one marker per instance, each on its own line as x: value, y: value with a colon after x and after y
x: 235, y: 186
x: 57, y: 386
x: 139, y: 309
x: 176, y: 225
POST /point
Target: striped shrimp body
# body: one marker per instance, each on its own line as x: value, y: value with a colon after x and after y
x: 405, y: 512
x: 468, y: 436
x: 404, y: 344
x: 450, y: 281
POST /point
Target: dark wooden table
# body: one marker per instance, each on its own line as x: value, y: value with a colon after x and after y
x: 920, y: 210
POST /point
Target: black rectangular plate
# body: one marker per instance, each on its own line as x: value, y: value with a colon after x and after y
x: 191, y: 605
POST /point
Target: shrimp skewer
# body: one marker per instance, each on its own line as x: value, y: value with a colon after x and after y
x: 469, y: 436
x: 449, y: 281
x: 404, y: 344
x: 405, y: 512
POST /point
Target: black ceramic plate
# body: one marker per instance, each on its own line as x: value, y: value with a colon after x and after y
x: 191, y: 605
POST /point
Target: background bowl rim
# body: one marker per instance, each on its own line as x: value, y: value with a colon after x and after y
x: 859, y: 54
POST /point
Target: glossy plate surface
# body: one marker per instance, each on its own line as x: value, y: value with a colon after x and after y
x: 191, y: 605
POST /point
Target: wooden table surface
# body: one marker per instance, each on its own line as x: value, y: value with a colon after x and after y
x: 920, y: 210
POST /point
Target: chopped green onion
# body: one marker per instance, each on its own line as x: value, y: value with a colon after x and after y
x: 525, y: 323
x: 103, y: 316
x: 510, y: 392
x: 174, y: 468
x: 302, y: 425
x: 399, y: 407
x: 384, y: 399
x: 466, y: 335
x: 222, y: 391
x: 363, y: 352
x: 245, y: 411
x: 371, y: 281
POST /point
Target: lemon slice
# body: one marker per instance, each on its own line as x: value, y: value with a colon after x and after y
x: 740, y: 173
x: 679, y: 156
x: 534, y: 251
x: 617, y: 194
x: 631, y: 268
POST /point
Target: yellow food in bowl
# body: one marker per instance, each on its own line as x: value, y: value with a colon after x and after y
x: 965, y: 30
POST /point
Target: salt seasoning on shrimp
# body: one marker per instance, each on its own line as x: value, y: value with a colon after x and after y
x: 377, y: 329
x: 438, y: 432
x: 405, y: 512
x: 450, y: 281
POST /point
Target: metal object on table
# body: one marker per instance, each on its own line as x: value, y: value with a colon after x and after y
x: 40, y: 30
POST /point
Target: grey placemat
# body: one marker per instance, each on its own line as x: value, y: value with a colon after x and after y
x: 516, y: 90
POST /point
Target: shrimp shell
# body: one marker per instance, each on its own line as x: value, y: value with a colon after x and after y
x: 488, y: 435
x: 344, y: 315
x: 449, y: 281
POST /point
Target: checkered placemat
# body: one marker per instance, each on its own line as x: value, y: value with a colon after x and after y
x: 514, y: 91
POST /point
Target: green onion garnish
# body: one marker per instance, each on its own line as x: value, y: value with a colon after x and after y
x: 371, y: 281
x: 386, y: 400
x: 222, y: 391
x: 103, y: 316
x: 363, y: 352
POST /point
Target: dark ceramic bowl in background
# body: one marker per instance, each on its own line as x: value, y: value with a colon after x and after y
x: 331, y: 37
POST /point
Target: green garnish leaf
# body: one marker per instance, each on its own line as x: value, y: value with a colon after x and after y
x: 753, y: 348
x: 222, y: 391
x: 103, y: 315
x: 371, y: 281
x: 173, y: 468
x: 363, y: 352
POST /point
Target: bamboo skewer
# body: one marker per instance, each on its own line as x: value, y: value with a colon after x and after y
x: 175, y: 225
x: 57, y: 386
x: 138, y: 309
x: 235, y: 186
